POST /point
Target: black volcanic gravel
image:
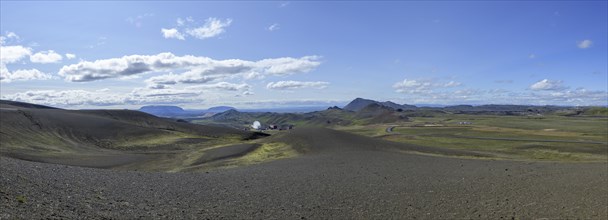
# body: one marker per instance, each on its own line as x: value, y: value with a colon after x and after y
x: 350, y: 184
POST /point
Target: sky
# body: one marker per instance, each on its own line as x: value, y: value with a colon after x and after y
x: 284, y: 54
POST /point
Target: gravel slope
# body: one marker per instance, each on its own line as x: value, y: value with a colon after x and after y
x: 348, y: 184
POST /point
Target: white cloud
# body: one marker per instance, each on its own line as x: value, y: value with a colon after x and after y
x: 172, y: 33
x: 465, y: 92
x: 211, y: 28
x: 422, y: 86
x: 100, y: 42
x: 578, y: 96
x: 12, y: 35
x: 288, y: 65
x: 117, y: 67
x: 273, y: 103
x: 137, y: 21
x: 129, y: 77
x: 452, y: 84
x: 167, y: 79
x: 142, y: 93
x: 198, y: 69
x: 8, y: 36
x: 21, y: 75
x: 158, y: 86
x: 70, y: 56
x: 199, y: 75
x: 503, y: 81
x: 501, y: 96
x: 274, y: 27
x: 193, y: 94
x: 253, y: 75
x: 248, y: 93
x: 48, y: 56
x: 68, y: 98
x: 180, y: 22
x: 412, y: 86
x: 225, y: 86
x: 543, y: 92
x: 584, y: 44
x: 104, y: 97
x: 296, y: 85
x: 11, y: 54
x: 546, y: 84
x: 84, y: 98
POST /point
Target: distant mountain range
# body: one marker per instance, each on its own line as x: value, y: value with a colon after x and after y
x: 365, y: 111
x: 177, y: 112
x: 360, y: 103
x: 370, y: 114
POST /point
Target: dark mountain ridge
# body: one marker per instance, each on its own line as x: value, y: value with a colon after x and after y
x: 14, y: 104
x: 494, y: 109
x: 360, y: 103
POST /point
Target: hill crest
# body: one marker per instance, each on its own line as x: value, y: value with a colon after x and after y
x: 360, y: 103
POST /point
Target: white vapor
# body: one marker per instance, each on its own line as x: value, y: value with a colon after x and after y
x: 281, y: 85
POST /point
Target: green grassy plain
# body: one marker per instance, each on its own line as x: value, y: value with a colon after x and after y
x: 555, y: 138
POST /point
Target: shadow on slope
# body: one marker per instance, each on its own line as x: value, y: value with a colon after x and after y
x: 100, y: 138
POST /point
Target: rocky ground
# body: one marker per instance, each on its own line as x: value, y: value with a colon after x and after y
x: 346, y: 184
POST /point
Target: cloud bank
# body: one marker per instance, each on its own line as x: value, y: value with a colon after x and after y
x: 422, y: 86
x: 15, y: 53
x: 196, y: 69
x: 543, y: 92
x: 282, y: 85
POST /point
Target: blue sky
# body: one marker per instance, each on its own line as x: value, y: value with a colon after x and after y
x: 277, y: 54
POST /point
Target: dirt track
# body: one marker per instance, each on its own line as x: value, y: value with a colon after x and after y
x: 347, y: 177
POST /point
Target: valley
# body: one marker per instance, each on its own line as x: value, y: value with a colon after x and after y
x: 421, y: 162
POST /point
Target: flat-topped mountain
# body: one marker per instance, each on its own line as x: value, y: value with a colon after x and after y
x: 178, y: 112
x: 162, y: 110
